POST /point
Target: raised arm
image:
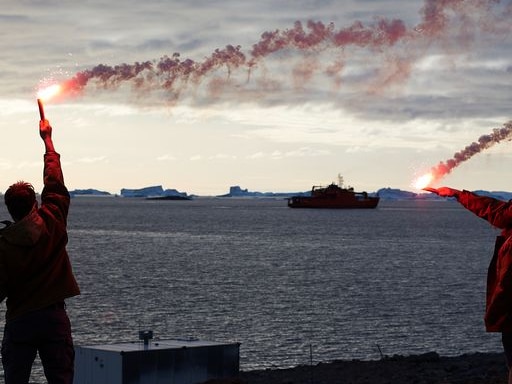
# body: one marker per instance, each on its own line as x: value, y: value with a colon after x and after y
x: 55, y: 196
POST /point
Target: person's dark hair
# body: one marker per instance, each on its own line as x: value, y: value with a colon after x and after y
x: 20, y: 199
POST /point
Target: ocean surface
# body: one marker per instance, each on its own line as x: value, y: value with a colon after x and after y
x: 293, y: 286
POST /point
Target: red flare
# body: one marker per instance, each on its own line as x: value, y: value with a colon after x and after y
x: 41, y: 109
x: 443, y: 168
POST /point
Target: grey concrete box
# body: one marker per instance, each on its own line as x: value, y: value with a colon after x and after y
x: 166, y: 361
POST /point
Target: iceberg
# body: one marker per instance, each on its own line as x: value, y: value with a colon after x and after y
x: 152, y: 192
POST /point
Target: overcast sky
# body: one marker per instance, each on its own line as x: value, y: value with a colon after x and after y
x: 392, y: 89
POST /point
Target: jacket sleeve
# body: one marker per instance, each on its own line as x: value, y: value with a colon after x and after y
x: 496, y: 212
x: 3, y: 271
x: 55, y: 196
x: 3, y: 282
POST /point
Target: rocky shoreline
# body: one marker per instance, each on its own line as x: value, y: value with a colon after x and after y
x: 429, y: 368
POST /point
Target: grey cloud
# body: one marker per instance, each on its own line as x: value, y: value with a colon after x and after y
x: 8, y: 19
x: 163, y: 45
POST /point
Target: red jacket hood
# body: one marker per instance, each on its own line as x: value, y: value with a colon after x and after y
x: 25, y: 232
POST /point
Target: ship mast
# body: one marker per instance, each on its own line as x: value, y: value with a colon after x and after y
x: 340, y: 180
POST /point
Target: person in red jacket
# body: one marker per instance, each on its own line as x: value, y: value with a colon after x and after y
x: 498, y: 311
x: 36, y: 276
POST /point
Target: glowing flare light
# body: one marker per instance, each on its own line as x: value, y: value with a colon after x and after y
x: 49, y: 92
x: 424, y: 181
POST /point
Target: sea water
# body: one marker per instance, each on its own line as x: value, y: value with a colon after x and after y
x: 293, y: 286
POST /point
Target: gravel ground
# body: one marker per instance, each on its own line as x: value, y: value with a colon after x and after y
x: 429, y: 368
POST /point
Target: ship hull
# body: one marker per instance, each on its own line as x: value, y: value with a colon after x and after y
x: 319, y: 202
x: 334, y: 196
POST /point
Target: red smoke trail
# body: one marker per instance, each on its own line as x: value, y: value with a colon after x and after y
x: 455, y: 20
x: 484, y: 142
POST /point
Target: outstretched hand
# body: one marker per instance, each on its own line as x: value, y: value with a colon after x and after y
x: 443, y: 191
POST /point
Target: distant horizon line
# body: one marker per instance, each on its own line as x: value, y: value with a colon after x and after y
x: 246, y: 190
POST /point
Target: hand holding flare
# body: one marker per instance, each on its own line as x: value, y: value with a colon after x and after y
x: 443, y: 191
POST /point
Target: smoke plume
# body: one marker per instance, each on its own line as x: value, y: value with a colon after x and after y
x: 451, y: 23
x: 484, y: 142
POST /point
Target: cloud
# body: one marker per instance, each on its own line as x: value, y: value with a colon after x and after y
x: 5, y: 164
x: 166, y: 157
x: 297, y: 153
x: 13, y: 19
x: 222, y: 156
x: 93, y: 160
x: 257, y: 155
x: 28, y: 164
